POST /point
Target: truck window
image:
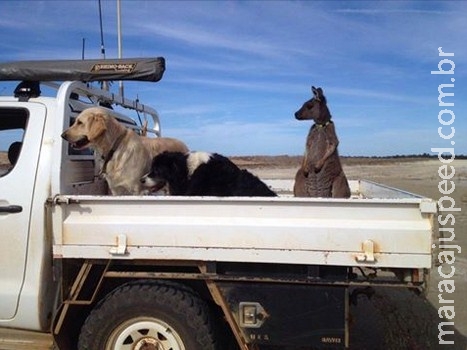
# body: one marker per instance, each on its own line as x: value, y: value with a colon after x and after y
x: 13, y: 123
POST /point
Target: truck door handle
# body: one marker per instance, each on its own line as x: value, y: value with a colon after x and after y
x: 12, y: 209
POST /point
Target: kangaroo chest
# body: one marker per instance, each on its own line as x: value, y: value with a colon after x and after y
x: 316, y: 143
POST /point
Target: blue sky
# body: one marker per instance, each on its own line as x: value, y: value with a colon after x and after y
x: 238, y: 70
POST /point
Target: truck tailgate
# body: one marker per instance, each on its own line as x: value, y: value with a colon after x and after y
x: 376, y: 232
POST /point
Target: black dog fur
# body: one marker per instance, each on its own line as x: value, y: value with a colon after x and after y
x: 202, y: 174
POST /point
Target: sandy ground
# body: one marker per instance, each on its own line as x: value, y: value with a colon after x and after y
x: 396, y: 318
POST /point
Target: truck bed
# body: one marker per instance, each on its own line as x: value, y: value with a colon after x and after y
x: 377, y: 227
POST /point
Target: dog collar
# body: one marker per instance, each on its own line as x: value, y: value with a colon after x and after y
x: 109, y: 155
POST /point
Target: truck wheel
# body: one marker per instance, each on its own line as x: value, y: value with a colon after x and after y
x: 149, y: 316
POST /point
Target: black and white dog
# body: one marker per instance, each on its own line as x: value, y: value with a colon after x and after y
x: 202, y: 174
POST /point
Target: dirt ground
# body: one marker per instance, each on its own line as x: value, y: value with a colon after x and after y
x: 394, y: 318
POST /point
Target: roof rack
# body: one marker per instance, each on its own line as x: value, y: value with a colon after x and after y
x: 136, y: 69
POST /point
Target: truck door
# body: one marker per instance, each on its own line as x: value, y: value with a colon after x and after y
x: 21, y: 131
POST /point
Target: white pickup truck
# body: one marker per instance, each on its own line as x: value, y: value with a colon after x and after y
x: 80, y: 269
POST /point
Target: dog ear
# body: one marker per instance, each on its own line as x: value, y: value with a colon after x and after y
x: 97, y: 126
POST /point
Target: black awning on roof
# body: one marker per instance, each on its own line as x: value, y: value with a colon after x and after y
x: 139, y: 69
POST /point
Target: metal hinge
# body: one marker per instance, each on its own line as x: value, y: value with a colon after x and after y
x: 368, y: 254
x: 59, y: 199
x: 120, y: 249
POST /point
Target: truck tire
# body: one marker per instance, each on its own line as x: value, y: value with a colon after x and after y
x: 149, y: 315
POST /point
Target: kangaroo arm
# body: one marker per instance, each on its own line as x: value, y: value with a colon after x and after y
x: 304, y: 163
x: 332, y: 143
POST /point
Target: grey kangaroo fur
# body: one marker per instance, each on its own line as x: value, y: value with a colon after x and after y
x: 320, y: 174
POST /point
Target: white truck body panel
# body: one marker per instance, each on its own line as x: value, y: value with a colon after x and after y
x: 22, y: 267
x: 273, y: 230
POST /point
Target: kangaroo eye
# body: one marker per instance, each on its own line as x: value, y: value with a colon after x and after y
x: 79, y: 122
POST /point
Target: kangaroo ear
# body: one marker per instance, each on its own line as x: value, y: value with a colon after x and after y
x: 97, y: 127
x: 317, y: 93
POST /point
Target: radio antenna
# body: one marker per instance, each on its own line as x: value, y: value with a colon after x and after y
x: 119, y: 35
x: 104, y: 84
x: 83, y: 48
x: 102, y: 31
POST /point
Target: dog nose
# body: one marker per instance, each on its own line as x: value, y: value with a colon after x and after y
x: 63, y: 135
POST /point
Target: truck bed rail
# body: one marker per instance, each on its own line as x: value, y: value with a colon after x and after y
x: 371, y: 232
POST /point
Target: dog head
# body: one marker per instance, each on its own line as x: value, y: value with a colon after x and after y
x: 315, y: 108
x: 89, y: 126
x: 167, y: 168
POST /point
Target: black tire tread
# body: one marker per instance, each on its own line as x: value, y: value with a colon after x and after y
x: 186, y: 305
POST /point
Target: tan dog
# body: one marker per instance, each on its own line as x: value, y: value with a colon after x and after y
x: 162, y: 144
x: 125, y: 157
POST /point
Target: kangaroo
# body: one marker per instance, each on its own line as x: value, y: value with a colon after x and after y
x: 320, y: 174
